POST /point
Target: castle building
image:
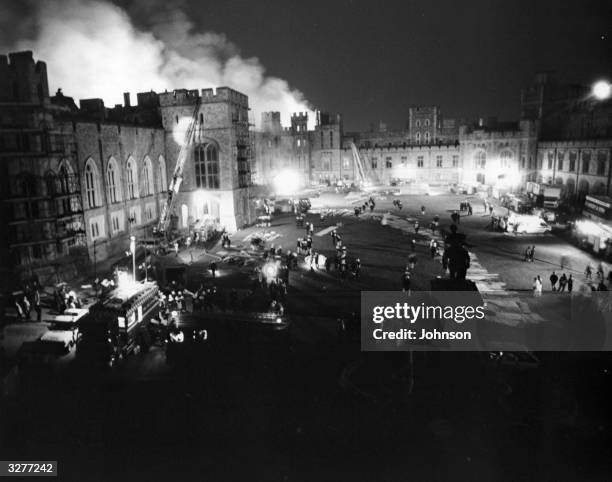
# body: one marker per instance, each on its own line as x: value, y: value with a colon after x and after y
x: 77, y: 182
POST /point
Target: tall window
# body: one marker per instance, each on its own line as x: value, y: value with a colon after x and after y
x: 420, y: 161
x: 481, y: 159
x: 112, y: 181
x: 572, y: 161
x: 438, y: 161
x: 207, y: 166
x: 586, y: 159
x: 601, y: 163
x: 132, y: 178
x: 331, y: 140
x: 418, y: 137
x: 427, y: 138
x: 560, y: 158
x: 455, y: 161
x: 163, y: 182
x: 418, y: 123
x: 147, y: 177
x: 91, y: 184
x: 426, y: 122
x: 505, y: 159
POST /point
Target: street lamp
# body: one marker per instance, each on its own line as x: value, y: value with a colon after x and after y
x: 601, y: 90
x: 133, y: 250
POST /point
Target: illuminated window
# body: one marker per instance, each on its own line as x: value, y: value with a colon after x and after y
x: 505, y: 159
x: 132, y: 177
x: 112, y: 181
x: 207, y: 166
x: 480, y: 159
x: 147, y: 177
x: 163, y: 183
x: 91, y: 184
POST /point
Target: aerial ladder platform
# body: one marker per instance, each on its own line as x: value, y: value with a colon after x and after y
x: 177, y: 176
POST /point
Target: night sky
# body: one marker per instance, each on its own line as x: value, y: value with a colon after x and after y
x: 371, y: 60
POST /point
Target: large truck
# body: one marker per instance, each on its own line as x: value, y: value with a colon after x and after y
x: 117, y: 326
x: 551, y: 197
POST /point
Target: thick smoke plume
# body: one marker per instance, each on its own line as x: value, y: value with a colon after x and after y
x: 93, y: 49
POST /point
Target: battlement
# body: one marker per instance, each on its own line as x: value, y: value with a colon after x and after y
x: 178, y: 97
x: 299, y: 116
x: 206, y: 96
x: 224, y: 94
x: 22, y: 79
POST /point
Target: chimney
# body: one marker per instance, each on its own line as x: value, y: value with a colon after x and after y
x: 126, y: 99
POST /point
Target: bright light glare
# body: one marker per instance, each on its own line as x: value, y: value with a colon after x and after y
x: 588, y: 228
x: 602, y: 90
x: 270, y: 270
x: 126, y: 286
x: 286, y: 182
x: 178, y: 134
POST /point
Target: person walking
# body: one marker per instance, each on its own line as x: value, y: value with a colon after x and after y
x: 532, y: 254
x: 469, y: 209
x: 406, y: 282
x: 562, y: 282
x: 213, y: 268
x: 553, y: 281
x: 588, y: 272
x: 537, y: 286
x: 416, y: 227
x: 600, y: 272
x: 412, y: 260
x: 36, y: 304
x: 570, y: 284
x: 491, y: 209
x: 27, y: 307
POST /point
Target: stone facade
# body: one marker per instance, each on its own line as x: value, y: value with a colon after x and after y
x: 77, y: 182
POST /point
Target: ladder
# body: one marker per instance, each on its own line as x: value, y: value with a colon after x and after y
x: 365, y: 174
x: 177, y: 177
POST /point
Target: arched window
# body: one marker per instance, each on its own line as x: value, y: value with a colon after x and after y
x: 426, y: 122
x: 505, y: 159
x: 418, y: 137
x: 417, y: 123
x: 427, y: 138
x: 147, y: 177
x: 91, y: 184
x: 65, y: 178
x: 50, y: 183
x: 480, y: 159
x: 132, y: 179
x: 161, y: 175
x: 113, y: 181
x: 207, y: 166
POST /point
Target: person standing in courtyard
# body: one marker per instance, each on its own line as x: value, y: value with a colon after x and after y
x: 416, y: 227
x: 562, y: 282
x: 537, y: 286
x: 570, y: 284
x: 406, y: 282
x: 532, y: 254
x: 553, y: 281
x: 588, y: 272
